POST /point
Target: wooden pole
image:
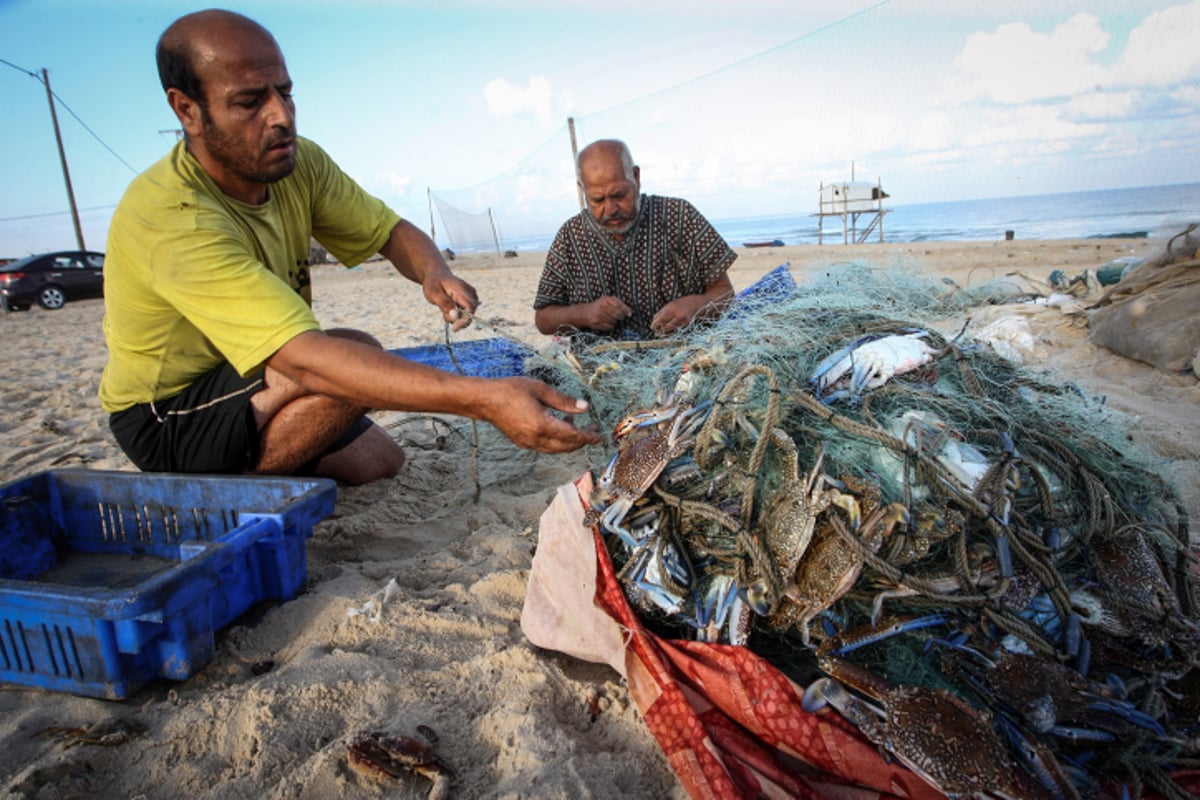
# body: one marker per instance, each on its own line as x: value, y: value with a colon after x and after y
x: 575, y: 160
x: 495, y: 236
x: 432, y: 227
x: 62, y: 156
x: 879, y: 188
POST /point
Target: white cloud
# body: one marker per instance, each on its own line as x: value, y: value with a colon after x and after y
x: 933, y: 130
x: 506, y: 100
x: 398, y: 183
x: 1014, y: 64
x: 1095, y: 106
x: 1187, y: 95
x: 1040, y: 126
x: 388, y: 183
x: 1162, y: 49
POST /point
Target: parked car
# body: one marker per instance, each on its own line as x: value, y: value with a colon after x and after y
x: 51, y: 279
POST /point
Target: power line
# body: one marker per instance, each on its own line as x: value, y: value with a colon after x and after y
x: 72, y: 113
x: 710, y: 73
x: 801, y: 37
x: 18, y: 69
x: 53, y: 213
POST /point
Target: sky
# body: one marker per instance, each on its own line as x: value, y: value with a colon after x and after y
x: 742, y: 107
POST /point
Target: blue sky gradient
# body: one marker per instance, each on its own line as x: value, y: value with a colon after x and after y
x: 742, y: 107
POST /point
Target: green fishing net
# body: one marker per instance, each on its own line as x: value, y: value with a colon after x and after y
x: 754, y: 495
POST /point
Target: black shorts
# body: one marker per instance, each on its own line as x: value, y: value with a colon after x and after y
x: 207, y: 428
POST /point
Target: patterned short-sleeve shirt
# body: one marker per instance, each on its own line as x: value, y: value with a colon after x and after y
x: 670, y: 252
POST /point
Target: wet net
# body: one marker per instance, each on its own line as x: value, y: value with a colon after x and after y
x: 838, y: 478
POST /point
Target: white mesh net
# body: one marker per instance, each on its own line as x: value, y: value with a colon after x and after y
x: 464, y: 231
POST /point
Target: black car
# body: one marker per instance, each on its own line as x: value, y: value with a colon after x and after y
x: 51, y: 279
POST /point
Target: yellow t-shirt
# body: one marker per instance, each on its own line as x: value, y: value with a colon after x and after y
x: 193, y: 278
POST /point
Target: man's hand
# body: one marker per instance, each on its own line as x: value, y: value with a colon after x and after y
x: 451, y: 294
x: 681, y: 312
x: 676, y: 314
x: 417, y: 258
x: 604, y: 314
x: 599, y: 315
x: 523, y: 411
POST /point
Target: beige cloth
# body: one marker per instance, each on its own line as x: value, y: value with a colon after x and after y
x: 560, y: 612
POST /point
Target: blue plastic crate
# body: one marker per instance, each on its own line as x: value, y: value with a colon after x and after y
x: 481, y: 358
x: 112, y: 579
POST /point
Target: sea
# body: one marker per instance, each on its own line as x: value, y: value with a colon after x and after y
x: 1107, y: 213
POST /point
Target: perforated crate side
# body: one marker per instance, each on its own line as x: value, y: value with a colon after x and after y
x: 155, y: 513
x: 228, y: 543
x: 84, y: 645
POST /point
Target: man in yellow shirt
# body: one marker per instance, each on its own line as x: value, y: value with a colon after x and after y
x: 216, y: 362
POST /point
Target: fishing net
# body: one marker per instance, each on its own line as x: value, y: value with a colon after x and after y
x: 935, y: 515
x: 466, y: 231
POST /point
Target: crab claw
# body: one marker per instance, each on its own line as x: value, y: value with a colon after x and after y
x: 759, y: 598
x: 848, y: 503
x: 642, y: 419
x: 894, y: 628
x: 889, y: 516
x: 713, y: 605
x: 819, y: 694
x: 647, y: 576
x: 1130, y: 713
x: 865, y: 376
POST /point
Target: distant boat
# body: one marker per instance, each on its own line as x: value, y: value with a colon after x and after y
x: 772, y: 243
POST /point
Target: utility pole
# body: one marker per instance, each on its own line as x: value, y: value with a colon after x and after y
x: 62, y: 155
x: 575, y: 160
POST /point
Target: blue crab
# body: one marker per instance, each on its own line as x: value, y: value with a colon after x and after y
x: 1049, y: 697
x: 657, y: 573
x: 647, y: 442
x: 789, y: 516
x: 930, y: 435
x: 1146, y: 606
x: 869, y: 363
x: 942, y: 739
x: 832, y: 563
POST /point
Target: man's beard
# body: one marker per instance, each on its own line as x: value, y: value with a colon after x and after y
x: 629, y: 220
x: 231, y: 155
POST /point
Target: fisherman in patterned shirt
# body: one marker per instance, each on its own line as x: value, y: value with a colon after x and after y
x: 630, y: 266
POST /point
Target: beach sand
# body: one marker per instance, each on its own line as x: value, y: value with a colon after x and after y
x: 445, y: 649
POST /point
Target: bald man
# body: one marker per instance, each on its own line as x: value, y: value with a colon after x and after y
x: 630, y: 266
x: 216, y: 363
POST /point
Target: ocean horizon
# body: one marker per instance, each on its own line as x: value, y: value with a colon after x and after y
x: 1139, y: 212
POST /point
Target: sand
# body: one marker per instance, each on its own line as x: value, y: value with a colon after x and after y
x: 445, y: 648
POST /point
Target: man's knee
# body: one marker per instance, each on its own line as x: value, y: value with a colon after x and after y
x: 381, y: 450
x: 372, y: 456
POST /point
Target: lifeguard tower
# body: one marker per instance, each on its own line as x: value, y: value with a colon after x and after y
x: 849, y: 201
